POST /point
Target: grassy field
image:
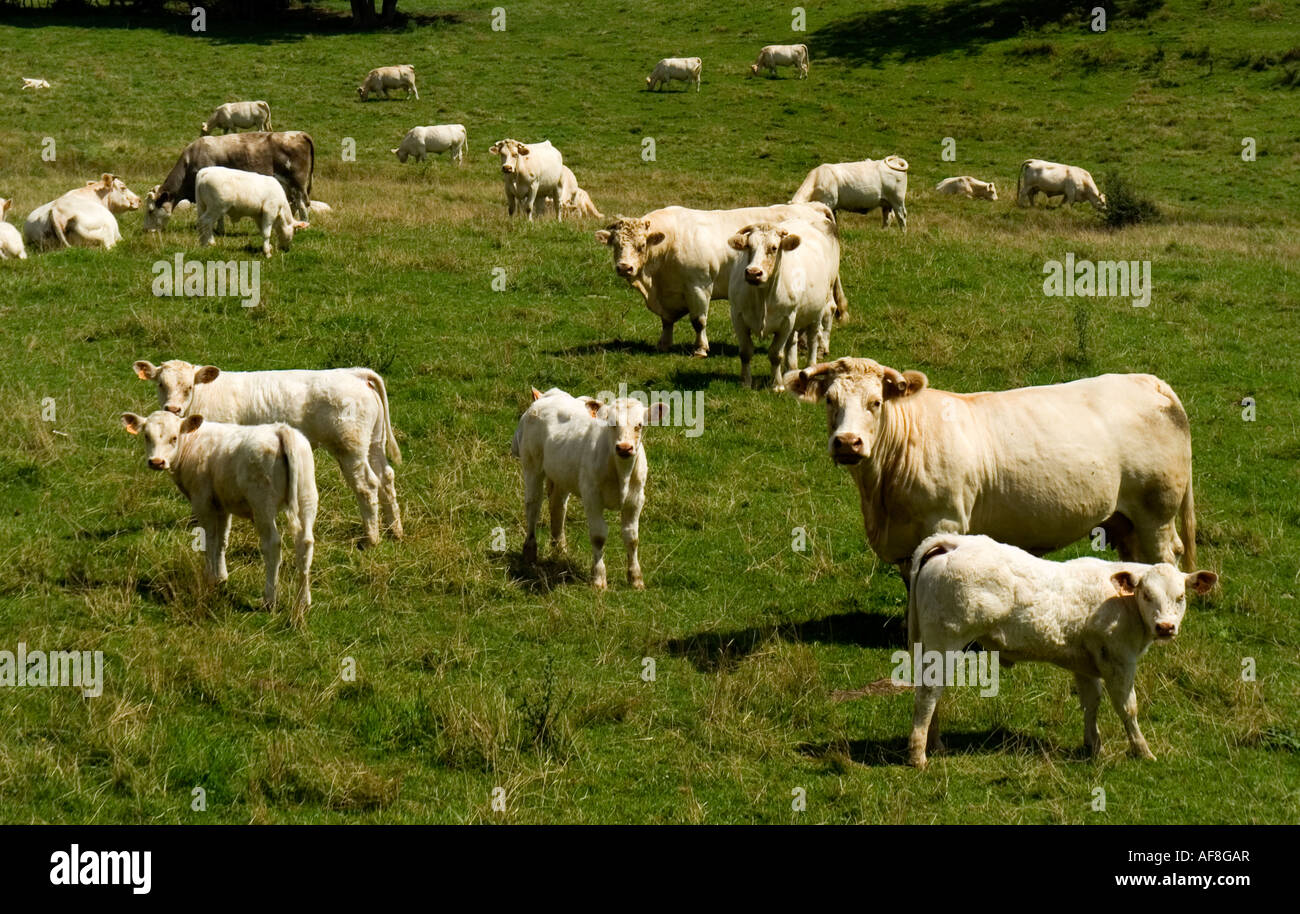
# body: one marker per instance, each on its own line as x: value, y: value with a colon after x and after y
x: 475, y: 673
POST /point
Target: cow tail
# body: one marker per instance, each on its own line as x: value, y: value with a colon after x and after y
x: 841, y: 301
x: 292, y: 473
x: 805, y: 191
x: 376, y: 382
x: 311, y: 166
x: 60, y: 227
x: 1021, y: 177
x: 1187, y: 527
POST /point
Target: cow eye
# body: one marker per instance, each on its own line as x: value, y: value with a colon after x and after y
x: 875, y: 404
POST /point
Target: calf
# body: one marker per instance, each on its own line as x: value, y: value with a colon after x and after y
x: 685, y: 69
x: 966, y: 186
x: 233, y: 115
x: 30, y: 83
x: 530, y: 172
x: 573, y: 199
x: 11, y: 240
x: 781, y: 55
x: 1055, y: 180
x: 221, y: 192
x: 420, y: 142
x: 860, y: 187
x: 83, y: 215
x: 593, y: 449
x: 251, y: 471
x: 1091, y: 617
x: 783, y: 285
x: 381, y: 79
x: 344, y: 410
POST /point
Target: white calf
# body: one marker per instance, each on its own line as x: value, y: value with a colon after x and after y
x: 421, y: 142
x: 966, y: 186
x: 232, y: 115
x: 382, y: 79
x: 593, y: 449
x: 11, y: 240
x: 251, y: 471
x: 221, y: 192
x: 685, y: 69
x: 31, y: 83
x: 781, y: 55
x: 1092, y: 617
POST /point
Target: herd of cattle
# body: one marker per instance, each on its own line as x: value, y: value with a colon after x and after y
x: 960, y: 490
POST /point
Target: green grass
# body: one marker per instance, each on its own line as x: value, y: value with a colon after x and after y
x: 474, y: 675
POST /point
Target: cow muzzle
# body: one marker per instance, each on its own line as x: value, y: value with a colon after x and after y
x: 507, y: 169
x: 623, y: 449
x: 174, y: 410
x: 1165, y: 631
x: 624, y: 269
x: 754, y: 276
x: 157, y: 463
x: 848, y: 448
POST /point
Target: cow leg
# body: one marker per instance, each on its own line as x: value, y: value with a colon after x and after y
x: 631, y: 523
x: 746, y: 344
x: 1158, y: 543
x: 533, y: 479
x: 559, y: 504
x: 363, y: 481
x: 665, y: 335
x: 1119, y: 683
x: 387, y: 485
x: 530, y: 206
x: 304, y: 548
x: 923, y: 708
x: 598, y: 530
x: 270, y: 539
x: 901, y: 212
x: 216, y: 527
x: 1090, y: 689
x: 206, y: 220
x: 697, y: 304
x: 776, y: 353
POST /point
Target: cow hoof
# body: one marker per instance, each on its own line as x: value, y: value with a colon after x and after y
x: 700, y: 354
x: 918, y: 762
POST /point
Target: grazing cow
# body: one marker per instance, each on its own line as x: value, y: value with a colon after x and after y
x: 29, y: 83
x: 221, y: 192
x: 319, y: 207
x: 233, y: 115
x: 782, y: 285
x: 290, y: 156
x: 251, y: 471
x: 966, y: 186
x: 11, y: 240
x: 1091, y: 617
x: 860, y: 187
x: 595, y: 450
x: 421, y: 142
x: 679, y: 259
x: 530, y: 172
x: 344, y: 410
x: 84, y: 215
x: 573, y: 199
x: 686, y: 69
x: 781, y: 55
x: 381, y: 79
x: 1056, y: 180
x: 1036, y: 467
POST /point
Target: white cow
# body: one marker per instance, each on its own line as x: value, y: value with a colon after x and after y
x: 686, y: 69
x: 1091, y: 617
x: 381, y: 80
x: 573, y: 199
x: 30, y: 83
x: 781, y: 55
x: 966, y: 186
x: 11, y: 240
x: 250, y: 471
x: 678, y: 259
x: 233, y: 115
x: 591, y: 449
x: 221, y: 193
x: 421, y: 142
x: 1036, y: 467
x: 1056, y: 180
x: 860, y: 187
x: 344, y: 410
x: 84, y: 215
x: 530, y: 172
x: 782, y: 285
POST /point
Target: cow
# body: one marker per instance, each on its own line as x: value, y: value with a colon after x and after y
x: 221, y: 192
x: 344, y: 410
x: 250, y: 471
x: 381, y: 79
x: 84, y: 215
x: 573, y: 199
x: 1056, y: 180
x: 1091, y: 617
x: 1035, y: 467
x: 782, y: 285
x: 592, y: 449
x: 966, y: 186
x: 781, y: 55
x: 34, y: 83
x: 233, y: 115
x: 421, y: 142
x: 686, y: 69
x: 290, y: 156
x: 678, y: 260
x: 530, y: 172
x: 11, y: 240
x: 860, y: 187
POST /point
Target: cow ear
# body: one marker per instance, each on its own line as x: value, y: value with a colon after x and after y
x: 901, y: 383
x: 805, y: 385
x: 738, y: 241
x: 916, y: 380
x: 603, y: 236
x: 593, y: 406
x: 145, y: 371
x: 658, y: 413
x: 494, y: 148
x: 1124, y: 582
x: 790, y: 242
x: 106, y: 178
x: 655, y: 238
x: 523, y: 150
x: 8, y: 203
x: 190, y: 423
x: 1202, y: 581
x: 132, y: 423
x: 537, y: 394
x: 207, y: 374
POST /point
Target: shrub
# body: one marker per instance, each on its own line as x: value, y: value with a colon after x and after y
x: 1125, y: 204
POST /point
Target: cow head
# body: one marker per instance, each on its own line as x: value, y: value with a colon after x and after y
x: 992, y: 191
x: 157, y: 209
x: 361, y: 92
x: 855, y: 392
x: 632, y: 241
x: 204, y: 129
x: 114, y: 194
x: 761, y: 247
x: 161, y: 434
x: 1160, y: 595
x: 753, y: 69
x: 510, y: 151
x: 175, y: 380
x: 626, y: 418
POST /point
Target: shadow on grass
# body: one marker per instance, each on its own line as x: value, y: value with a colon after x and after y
x: 713, y: 652
x: 544, y: 575
x: 892, y: 751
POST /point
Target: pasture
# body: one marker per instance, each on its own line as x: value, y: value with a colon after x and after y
x: 474, y: 672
